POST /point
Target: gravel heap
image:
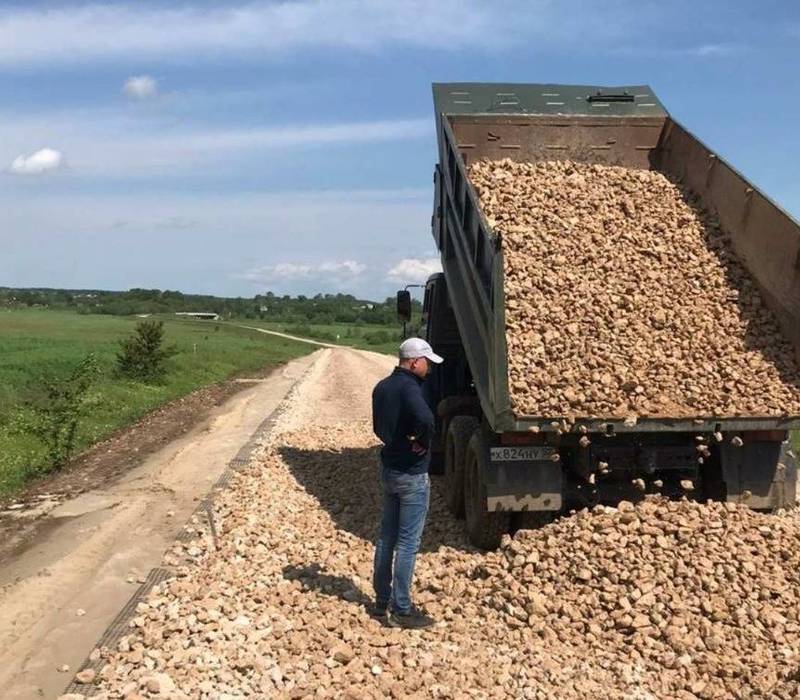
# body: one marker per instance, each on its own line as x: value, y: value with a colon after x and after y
x: 624, y: 297
x: 703, y: 598
x: 662, y: 599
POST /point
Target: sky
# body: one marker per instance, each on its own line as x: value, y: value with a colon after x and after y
x: 235, y: 148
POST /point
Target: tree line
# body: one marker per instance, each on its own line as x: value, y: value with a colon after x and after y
x: 318, y: 309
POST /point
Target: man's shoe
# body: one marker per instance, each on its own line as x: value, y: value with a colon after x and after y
x: 379, y: 610
x: 414, y: 619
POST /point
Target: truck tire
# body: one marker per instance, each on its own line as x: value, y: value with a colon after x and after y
x: 458, y: 434
x: 484, y: 528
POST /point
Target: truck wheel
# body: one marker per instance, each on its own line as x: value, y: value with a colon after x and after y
x: 484, y: 528
x: 458, y: 434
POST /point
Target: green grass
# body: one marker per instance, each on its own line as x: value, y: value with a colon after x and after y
x: 796, y: 442
x: 338, y: 333
x: 34, y: 343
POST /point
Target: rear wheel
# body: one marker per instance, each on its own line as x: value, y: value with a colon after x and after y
x: 484, y: 528
x: 459, y: 432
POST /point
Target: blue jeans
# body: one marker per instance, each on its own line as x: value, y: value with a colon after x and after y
x: 405, y: 505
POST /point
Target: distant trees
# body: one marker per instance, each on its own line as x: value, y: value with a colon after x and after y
x: 322, y: 309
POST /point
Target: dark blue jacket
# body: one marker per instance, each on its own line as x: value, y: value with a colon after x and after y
x: 399, y: 411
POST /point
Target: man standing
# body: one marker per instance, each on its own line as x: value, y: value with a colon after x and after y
x: 404, y: 422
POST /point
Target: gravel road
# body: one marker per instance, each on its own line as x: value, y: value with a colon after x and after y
x: 654, y: 600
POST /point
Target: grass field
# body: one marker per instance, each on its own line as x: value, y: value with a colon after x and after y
x: 343, y: 334
x: 36, y: 342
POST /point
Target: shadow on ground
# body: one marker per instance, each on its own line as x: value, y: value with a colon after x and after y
x: 346, y: 483
x: 313, y: 578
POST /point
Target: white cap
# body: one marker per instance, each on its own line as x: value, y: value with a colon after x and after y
x: 417, y: 347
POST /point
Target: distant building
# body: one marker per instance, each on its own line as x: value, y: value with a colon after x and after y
x: 204, y: 315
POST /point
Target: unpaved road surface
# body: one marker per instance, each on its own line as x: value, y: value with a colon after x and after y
x: 87, y: 548
x: 657, y: 600
x: 291, y: 337
x: 23, y: 515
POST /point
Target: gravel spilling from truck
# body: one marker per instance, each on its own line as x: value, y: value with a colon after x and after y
x: 700, y: 599
x: 658, y: 599
x: 625, y: 298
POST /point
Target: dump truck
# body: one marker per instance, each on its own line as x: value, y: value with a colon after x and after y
x: 504, y: 471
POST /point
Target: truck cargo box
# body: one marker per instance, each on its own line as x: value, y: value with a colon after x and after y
x: 624, y: 126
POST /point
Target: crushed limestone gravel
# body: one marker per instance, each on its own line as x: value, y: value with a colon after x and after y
x: 625, y: 297
x: 653, y: 600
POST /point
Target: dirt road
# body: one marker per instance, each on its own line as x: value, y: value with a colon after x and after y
x: 94, y: 548
x: 290, y: 337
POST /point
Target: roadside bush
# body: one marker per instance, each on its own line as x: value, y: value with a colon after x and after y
x: 306, y: 331
x: 54, y: 414
x: 379, y: 337
x: 142, y: 356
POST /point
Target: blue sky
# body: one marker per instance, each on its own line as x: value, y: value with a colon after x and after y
x: 234, y: 148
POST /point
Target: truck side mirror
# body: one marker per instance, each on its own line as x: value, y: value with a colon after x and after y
x: 404, y: 306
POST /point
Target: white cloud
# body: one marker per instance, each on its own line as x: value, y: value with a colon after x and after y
x: 711, y: 50
x: 42, y: 161
x: 349, y: 267
x: 112, y: 143
x: 176, y: 223
x: 327, y: 240
x: 89, y: 31
x: 414, y: 270
x: 263, y: 29
x: 699, y: 51
x: 140, y: 87
x: 310, y: 135
x: 304, y: 271
x: 279, y: 271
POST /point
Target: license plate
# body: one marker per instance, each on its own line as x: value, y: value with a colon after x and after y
x: 533, y: 453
